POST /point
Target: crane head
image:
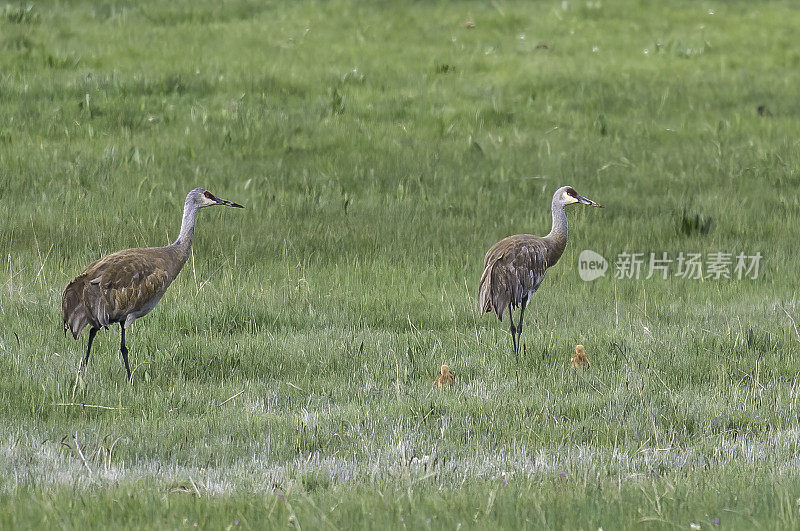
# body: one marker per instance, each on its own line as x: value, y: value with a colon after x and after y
x: 203, y: 198
x: 567, y: 195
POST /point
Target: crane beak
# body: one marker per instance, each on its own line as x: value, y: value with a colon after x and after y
x: 589, y: 202
x: 227, y: 203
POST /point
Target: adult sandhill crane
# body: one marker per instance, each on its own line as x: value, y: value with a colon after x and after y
x: 126, y: 285
x: 514, y: 267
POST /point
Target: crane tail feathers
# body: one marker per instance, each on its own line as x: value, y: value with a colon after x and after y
x: 74, y: 313
x: 491, y: 299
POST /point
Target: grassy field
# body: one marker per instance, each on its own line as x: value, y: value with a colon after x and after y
x: 380, y: 148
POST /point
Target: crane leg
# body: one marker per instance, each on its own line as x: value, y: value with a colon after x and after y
x: 521, y: 318
x: 513, y: 330
x: 124, y: 350
x: 92, y: 333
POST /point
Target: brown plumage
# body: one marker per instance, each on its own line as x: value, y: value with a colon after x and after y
x: 445, y: 378
x: 515, y: 267
x: 580, y: 359
x: 126, y: 285
x: 119, y: 287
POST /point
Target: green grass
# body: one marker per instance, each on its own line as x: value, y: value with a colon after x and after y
x: 380, y: 149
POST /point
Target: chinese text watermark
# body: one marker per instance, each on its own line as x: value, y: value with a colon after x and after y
x: 697, y: 266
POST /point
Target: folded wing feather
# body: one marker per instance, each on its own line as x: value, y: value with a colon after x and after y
x: 514, y: 268
x: 119, y: 287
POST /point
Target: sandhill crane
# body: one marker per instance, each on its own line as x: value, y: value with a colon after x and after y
x: 514, y: 267
x: 445, y: 377
x: 126, y: 285
x: 580, y: 359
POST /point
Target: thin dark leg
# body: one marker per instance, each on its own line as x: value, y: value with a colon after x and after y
x: 124, y: 350
x: 513, y: 333
x: 92, y: 332
x: 521, y: 318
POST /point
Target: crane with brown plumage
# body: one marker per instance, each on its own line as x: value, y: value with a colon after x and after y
x: 514, y: 267
x: 126, y: 285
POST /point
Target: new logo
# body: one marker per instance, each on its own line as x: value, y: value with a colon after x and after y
x: 591, y: 265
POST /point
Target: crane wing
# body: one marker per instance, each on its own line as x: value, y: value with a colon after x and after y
x: 126, y: 282
x: 117, y: 286
x: 514, y: 268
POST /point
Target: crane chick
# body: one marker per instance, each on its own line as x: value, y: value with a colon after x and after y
x: 445, y: 378
x: 580, y: 359
x: 126, y: 285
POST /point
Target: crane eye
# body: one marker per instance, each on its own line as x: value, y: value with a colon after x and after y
x: 208, y: 195
x: 571, y: 192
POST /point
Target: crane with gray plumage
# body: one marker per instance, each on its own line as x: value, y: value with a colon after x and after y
x: 514, y: 267
x: 126, y: 285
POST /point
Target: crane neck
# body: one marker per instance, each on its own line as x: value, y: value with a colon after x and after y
x: 184, y: 241
x: 559, y: 231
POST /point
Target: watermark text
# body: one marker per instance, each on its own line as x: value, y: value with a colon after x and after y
x: 717, y: 265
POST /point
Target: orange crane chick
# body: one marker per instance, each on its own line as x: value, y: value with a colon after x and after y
x: 445, y: 378
x: 580, y: 359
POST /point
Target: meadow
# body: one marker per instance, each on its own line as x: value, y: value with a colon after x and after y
x: 379, y: 149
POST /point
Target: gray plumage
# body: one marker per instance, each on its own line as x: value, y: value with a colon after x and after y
x: 514, y: 268
x: 124, y: 286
